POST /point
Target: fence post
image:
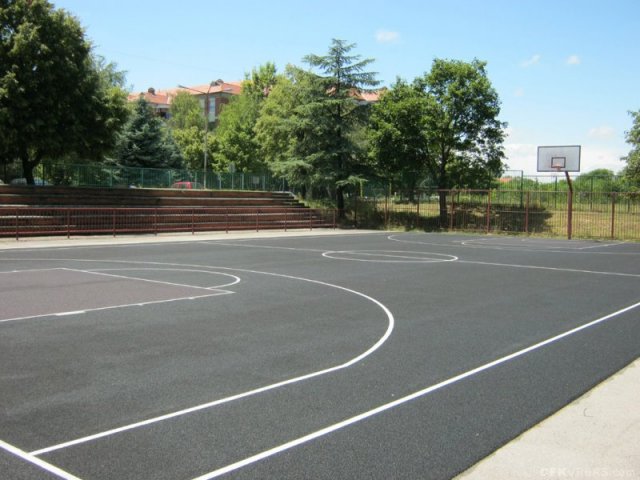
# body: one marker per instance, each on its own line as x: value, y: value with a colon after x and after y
x: 453, y: 209
x: 569, y: 206
x: 526, y: 215
x: 613, y: 215
x: 418, y: 211
x: 570, y: 214
x: 68, y: 223
x: 489, y: 211
x: 355, y: 210
x: 17, y: 225
x: 386, y: 211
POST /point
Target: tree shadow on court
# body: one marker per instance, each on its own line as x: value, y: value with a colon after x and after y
x: 467, y: 217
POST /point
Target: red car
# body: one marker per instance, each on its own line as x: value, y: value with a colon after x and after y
x: 187, y: 185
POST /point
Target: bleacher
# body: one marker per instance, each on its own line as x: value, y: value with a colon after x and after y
x: 55, y: 210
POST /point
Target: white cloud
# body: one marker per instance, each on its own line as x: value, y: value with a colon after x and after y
x: 603, y: 132
x: 574, y: 60
x: 593, y: 157
x: 534, y: 60
x: 518, y: 92
x: 387, y: 36
x: 522, y: 156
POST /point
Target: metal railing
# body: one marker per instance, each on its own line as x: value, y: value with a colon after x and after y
x: 611, y: 215
x: 20, y: 222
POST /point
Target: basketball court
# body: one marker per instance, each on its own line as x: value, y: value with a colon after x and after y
x: 373, y: 355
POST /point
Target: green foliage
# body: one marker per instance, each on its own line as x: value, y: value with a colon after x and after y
x: 187, y: 125
x: 261, y: 81
x: 56, y: 99
x: 397, y: 136
x: 632, y: 170
x: 190, y: 142
x: 465, y: 137
x: 235, y: 140
x: 146, y: 141
x: 310, y: 126
x: 185, y: 112
x: 445, y: 124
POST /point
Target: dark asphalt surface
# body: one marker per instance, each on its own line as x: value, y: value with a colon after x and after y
x: 199, y: 322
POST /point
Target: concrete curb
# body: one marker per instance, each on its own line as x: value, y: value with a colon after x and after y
x: 596, y: 436
x: 106, y: 240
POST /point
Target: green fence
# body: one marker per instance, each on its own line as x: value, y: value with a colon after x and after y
x: 97, y: 175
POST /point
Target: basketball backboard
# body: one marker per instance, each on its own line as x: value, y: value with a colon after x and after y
x: 562, y: 158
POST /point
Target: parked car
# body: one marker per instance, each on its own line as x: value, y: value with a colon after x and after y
x: 187, y: 185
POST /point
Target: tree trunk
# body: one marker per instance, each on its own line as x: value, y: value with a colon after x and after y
x: 443, y: 208
x: 340, y: 201
x: 27, y: 169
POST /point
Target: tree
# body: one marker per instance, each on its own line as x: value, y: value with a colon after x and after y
x: 279, y: 130
x: 185, y: 112
x: 187, y: 126
x: 235, y: 141
x: 465, y: 136
x: 338, y: 116
x: 146, y: 141
x: 397, y: 136
x: 598, y: 180
x: 56, y: 99
x: 632, y: 170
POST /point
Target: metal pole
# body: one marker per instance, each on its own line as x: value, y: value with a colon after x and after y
x: 206, y: 125
x: 569, y: 207
x: 206, y: 134
x: 489, y: 212
x: 613, y: 215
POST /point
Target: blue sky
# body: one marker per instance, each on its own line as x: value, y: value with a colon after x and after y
x: 566, y: 71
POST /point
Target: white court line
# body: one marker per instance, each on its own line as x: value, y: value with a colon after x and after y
x: 388, y: 406
x: 111, y: 307
x: 467, y: 244
x: 34, y: 270
x: 227, y: 244
x: 540, y: 244
x: 554, y: 269
x: 209, y: 272
x: 334, y: 254
x: 36, y: 461
x: 126, y: 277
x: 349, y: 363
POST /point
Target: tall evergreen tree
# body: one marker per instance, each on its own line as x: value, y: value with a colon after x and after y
x: 146, y: 142
x: 339, y: 115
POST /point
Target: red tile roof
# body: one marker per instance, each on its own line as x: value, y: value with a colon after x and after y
x: 164, y: 97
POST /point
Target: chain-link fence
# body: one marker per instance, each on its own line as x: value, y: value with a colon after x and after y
x: 100, y: 175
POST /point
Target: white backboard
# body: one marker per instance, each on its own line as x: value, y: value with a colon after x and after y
x: 561, y: 158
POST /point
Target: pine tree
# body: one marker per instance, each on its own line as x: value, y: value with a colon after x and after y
x: 146, y: 142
